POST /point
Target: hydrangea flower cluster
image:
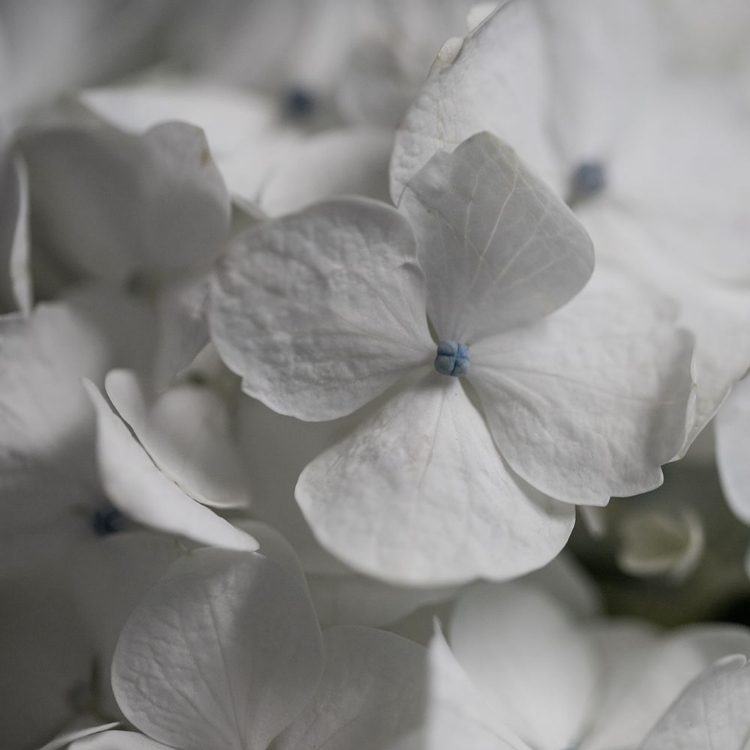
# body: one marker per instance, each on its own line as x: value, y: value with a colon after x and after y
x: 322, y: 323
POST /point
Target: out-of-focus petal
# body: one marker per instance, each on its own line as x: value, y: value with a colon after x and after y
x: 138, y: 488
x: 15, y: 279
x: 372, y: 692
x: 496, y: 81
x: 733, y: 449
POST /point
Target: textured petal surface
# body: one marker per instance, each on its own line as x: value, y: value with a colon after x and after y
x: 142, y: 492
x: 529, y: 659
x: 419, y: 495
x: 323, y: 310
x: 711, y: 712
x: 224, y: 651
x: 733, y: 448
x: 187, y: 433
x: 592, y: 401
x: 115, y: 206
x: 372, y: 692
x: 497, y: 81
x: 498, y: 248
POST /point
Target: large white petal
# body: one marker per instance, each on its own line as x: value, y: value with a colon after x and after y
x: 643, y: 672
x: 224, y: 651
x: 496, y: 81
x: 530, y: 660
x: 498, y: 248
x: 591, y: 401
x: 372, y: 692
x: 733, y: 448
x: 419, y: 495
x: 15, y: 280
x: 711, y: 712
x: 142, y: 492
x: 323, y: 310
x: 187, y: 433
x: 115, y: 205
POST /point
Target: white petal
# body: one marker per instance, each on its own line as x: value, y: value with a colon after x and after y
x: 685, y: 139
x: 117, y: 740
x: 224, y: 651
x: 592, y: 401
x: 48, y: 480
x: 711, y: 712
x: 456, y: 714
x: 643, y: 673
x: 497, y: 82
x: 371, y: 693
x: 351, y: 599
x: 229, y: 117
x: 604, y: 61
x: 530, y: 660
x: 323, y: 310
x: 65, y: 739
x: 418, y: 495
x: 114, y: 205
x: 135, y: 486
x: 187, y: 433
x: 498, y: 248
x: 182, y: 327
x: 329, y: 164
x: 733, y: 448
x: 110, y: 576
x: 717, y: 312
x: 15, y: 279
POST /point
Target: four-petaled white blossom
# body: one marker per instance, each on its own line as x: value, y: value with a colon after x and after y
x: 519, y: 397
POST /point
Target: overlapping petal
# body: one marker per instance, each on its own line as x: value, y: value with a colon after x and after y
x: 732, y: 443
x: 135, y: 485
x: 497, y: 80
x: 498, y: 248
x: 372, y: 692
x: 224, y: 651
x: 591, y: 401
x: 118, y: 206
x: 323, y: 310
x: 419, y: 495
x: 711, y: 712
x: 15, y: 281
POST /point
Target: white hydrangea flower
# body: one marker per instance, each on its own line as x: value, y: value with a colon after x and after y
x: 225, y: 651
x: 588, y: 95
x: 454, y: 475
x: 521, y: 672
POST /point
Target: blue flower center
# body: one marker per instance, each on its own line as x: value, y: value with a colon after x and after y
x: 107, y: 520
x: 452, y: 359
x: 588, y: 179
x: 298, y: 103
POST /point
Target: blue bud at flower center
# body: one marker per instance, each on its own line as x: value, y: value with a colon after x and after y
x: 298, y: 103
x: 588, y: 179
x: 452, y: 359
x: 107, y: 520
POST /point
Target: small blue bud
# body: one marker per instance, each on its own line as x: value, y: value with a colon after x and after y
x: 107, y: 520
x: 589, y: 179
x: 452, y: 359
x: 298, y: 103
